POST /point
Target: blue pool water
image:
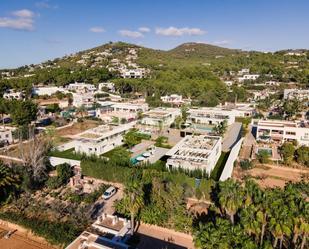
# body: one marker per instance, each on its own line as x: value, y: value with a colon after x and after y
x: 133, y: 159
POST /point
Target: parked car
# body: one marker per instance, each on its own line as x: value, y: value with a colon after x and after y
x: 109, y: 193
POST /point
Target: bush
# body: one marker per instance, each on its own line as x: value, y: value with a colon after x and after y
x: 246, y: 164
x: 263, y: 156
x: 53, y: 182
x: 59, y: 233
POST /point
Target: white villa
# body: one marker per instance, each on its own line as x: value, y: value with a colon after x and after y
x: 300, y: 94
x: 137, y: 73
x: 83, y: 99
x: 47, y: 90
x: 281, y: 131
x: 210, y: 116
x: 11, y: 94
x: 6, y: 135
x: 243, y: 71
x: 101, y: 139
x: 130, y: 107
x: 160, y: 116
x: 195, y: 152
x: 112, y: 232
x: 80, y: 87
x: 173, y: 99
x: 248, y: 77
x: 107, y: 85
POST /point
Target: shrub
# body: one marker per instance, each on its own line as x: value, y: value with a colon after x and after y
x: 246, y: 164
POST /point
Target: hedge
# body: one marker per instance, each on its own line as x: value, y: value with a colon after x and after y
x: 58, y: 233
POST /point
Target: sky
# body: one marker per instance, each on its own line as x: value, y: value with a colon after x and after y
x: 32, y: 31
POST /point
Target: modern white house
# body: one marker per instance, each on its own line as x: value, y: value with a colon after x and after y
x: 107, y: 232
x: 195, y: 152
x: 130, y: 107
x: 243, y: 71
x: 80, y: 87
x: 300, y: 94
x: 160, y: 117
x: 173, y: 99
x: 11, y: 94
x: 210, y: 116
x: 110, y: 86
x: 239, y: 109
x: 282, y: 131
x: 101, y: 139
x: 6, y: 134
x: 248, y: 77
x: 136, y: 73
x: 83, y: 99
x: 47, y: 90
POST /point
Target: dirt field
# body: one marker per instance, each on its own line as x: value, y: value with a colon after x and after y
x: 77, y: 128
x: 20, y: 241
x: 271, y: 176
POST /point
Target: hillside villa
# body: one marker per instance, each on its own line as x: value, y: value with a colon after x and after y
x: 282, y: 131
x: 195, y: 152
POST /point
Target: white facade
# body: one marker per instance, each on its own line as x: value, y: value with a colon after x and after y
x: 6, y: 135
x: 133, y: 73
x: 108, y: 85
x: 210, y: 116
x: 83, y: 99
x: 101, y: 139
x: 174, y: 99
x: 160, y: 117
x: 195, y: 152
x: 300, y: 94
x: 81, y: 87
x: 248, y: 77
x: 130, y: 107
x: 243, y: 71
x: 10, y: 95
x: 46, y: 90
x: 281, y: 131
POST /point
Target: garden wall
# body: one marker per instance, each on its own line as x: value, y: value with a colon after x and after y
x: 228, y: 168
x: 54, y: 161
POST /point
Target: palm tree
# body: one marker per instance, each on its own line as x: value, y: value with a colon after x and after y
x: 230, y: 197
x: 304, y: 230
x: 133, y: 199
x: 250, y: 222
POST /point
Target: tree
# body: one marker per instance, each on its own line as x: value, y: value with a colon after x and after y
x: 230, y: 197
x: 302, y: 155
x: 23, y: 112
x: 64, y: 172
x: 9, y: 182
x: 263, y: 156
x: 33, y: 154
x: 287, y: 151
x: 133, y: 199
x: 220, y: 128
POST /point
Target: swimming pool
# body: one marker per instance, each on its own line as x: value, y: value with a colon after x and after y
x: 133, y: 159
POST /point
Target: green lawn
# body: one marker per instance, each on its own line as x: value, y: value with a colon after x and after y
x: 69, y: 154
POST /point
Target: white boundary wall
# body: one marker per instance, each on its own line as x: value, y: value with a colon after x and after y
x: 229, y: 165
x: 54, y: 161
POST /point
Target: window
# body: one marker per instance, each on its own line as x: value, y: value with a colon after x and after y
x: 290, y: 133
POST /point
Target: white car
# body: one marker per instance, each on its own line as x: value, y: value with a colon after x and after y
x: 109, y: 193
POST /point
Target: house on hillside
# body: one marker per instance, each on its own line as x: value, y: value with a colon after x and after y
x: 195, y: 152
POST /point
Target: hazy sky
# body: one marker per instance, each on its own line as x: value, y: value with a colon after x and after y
x: 32, y: 31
